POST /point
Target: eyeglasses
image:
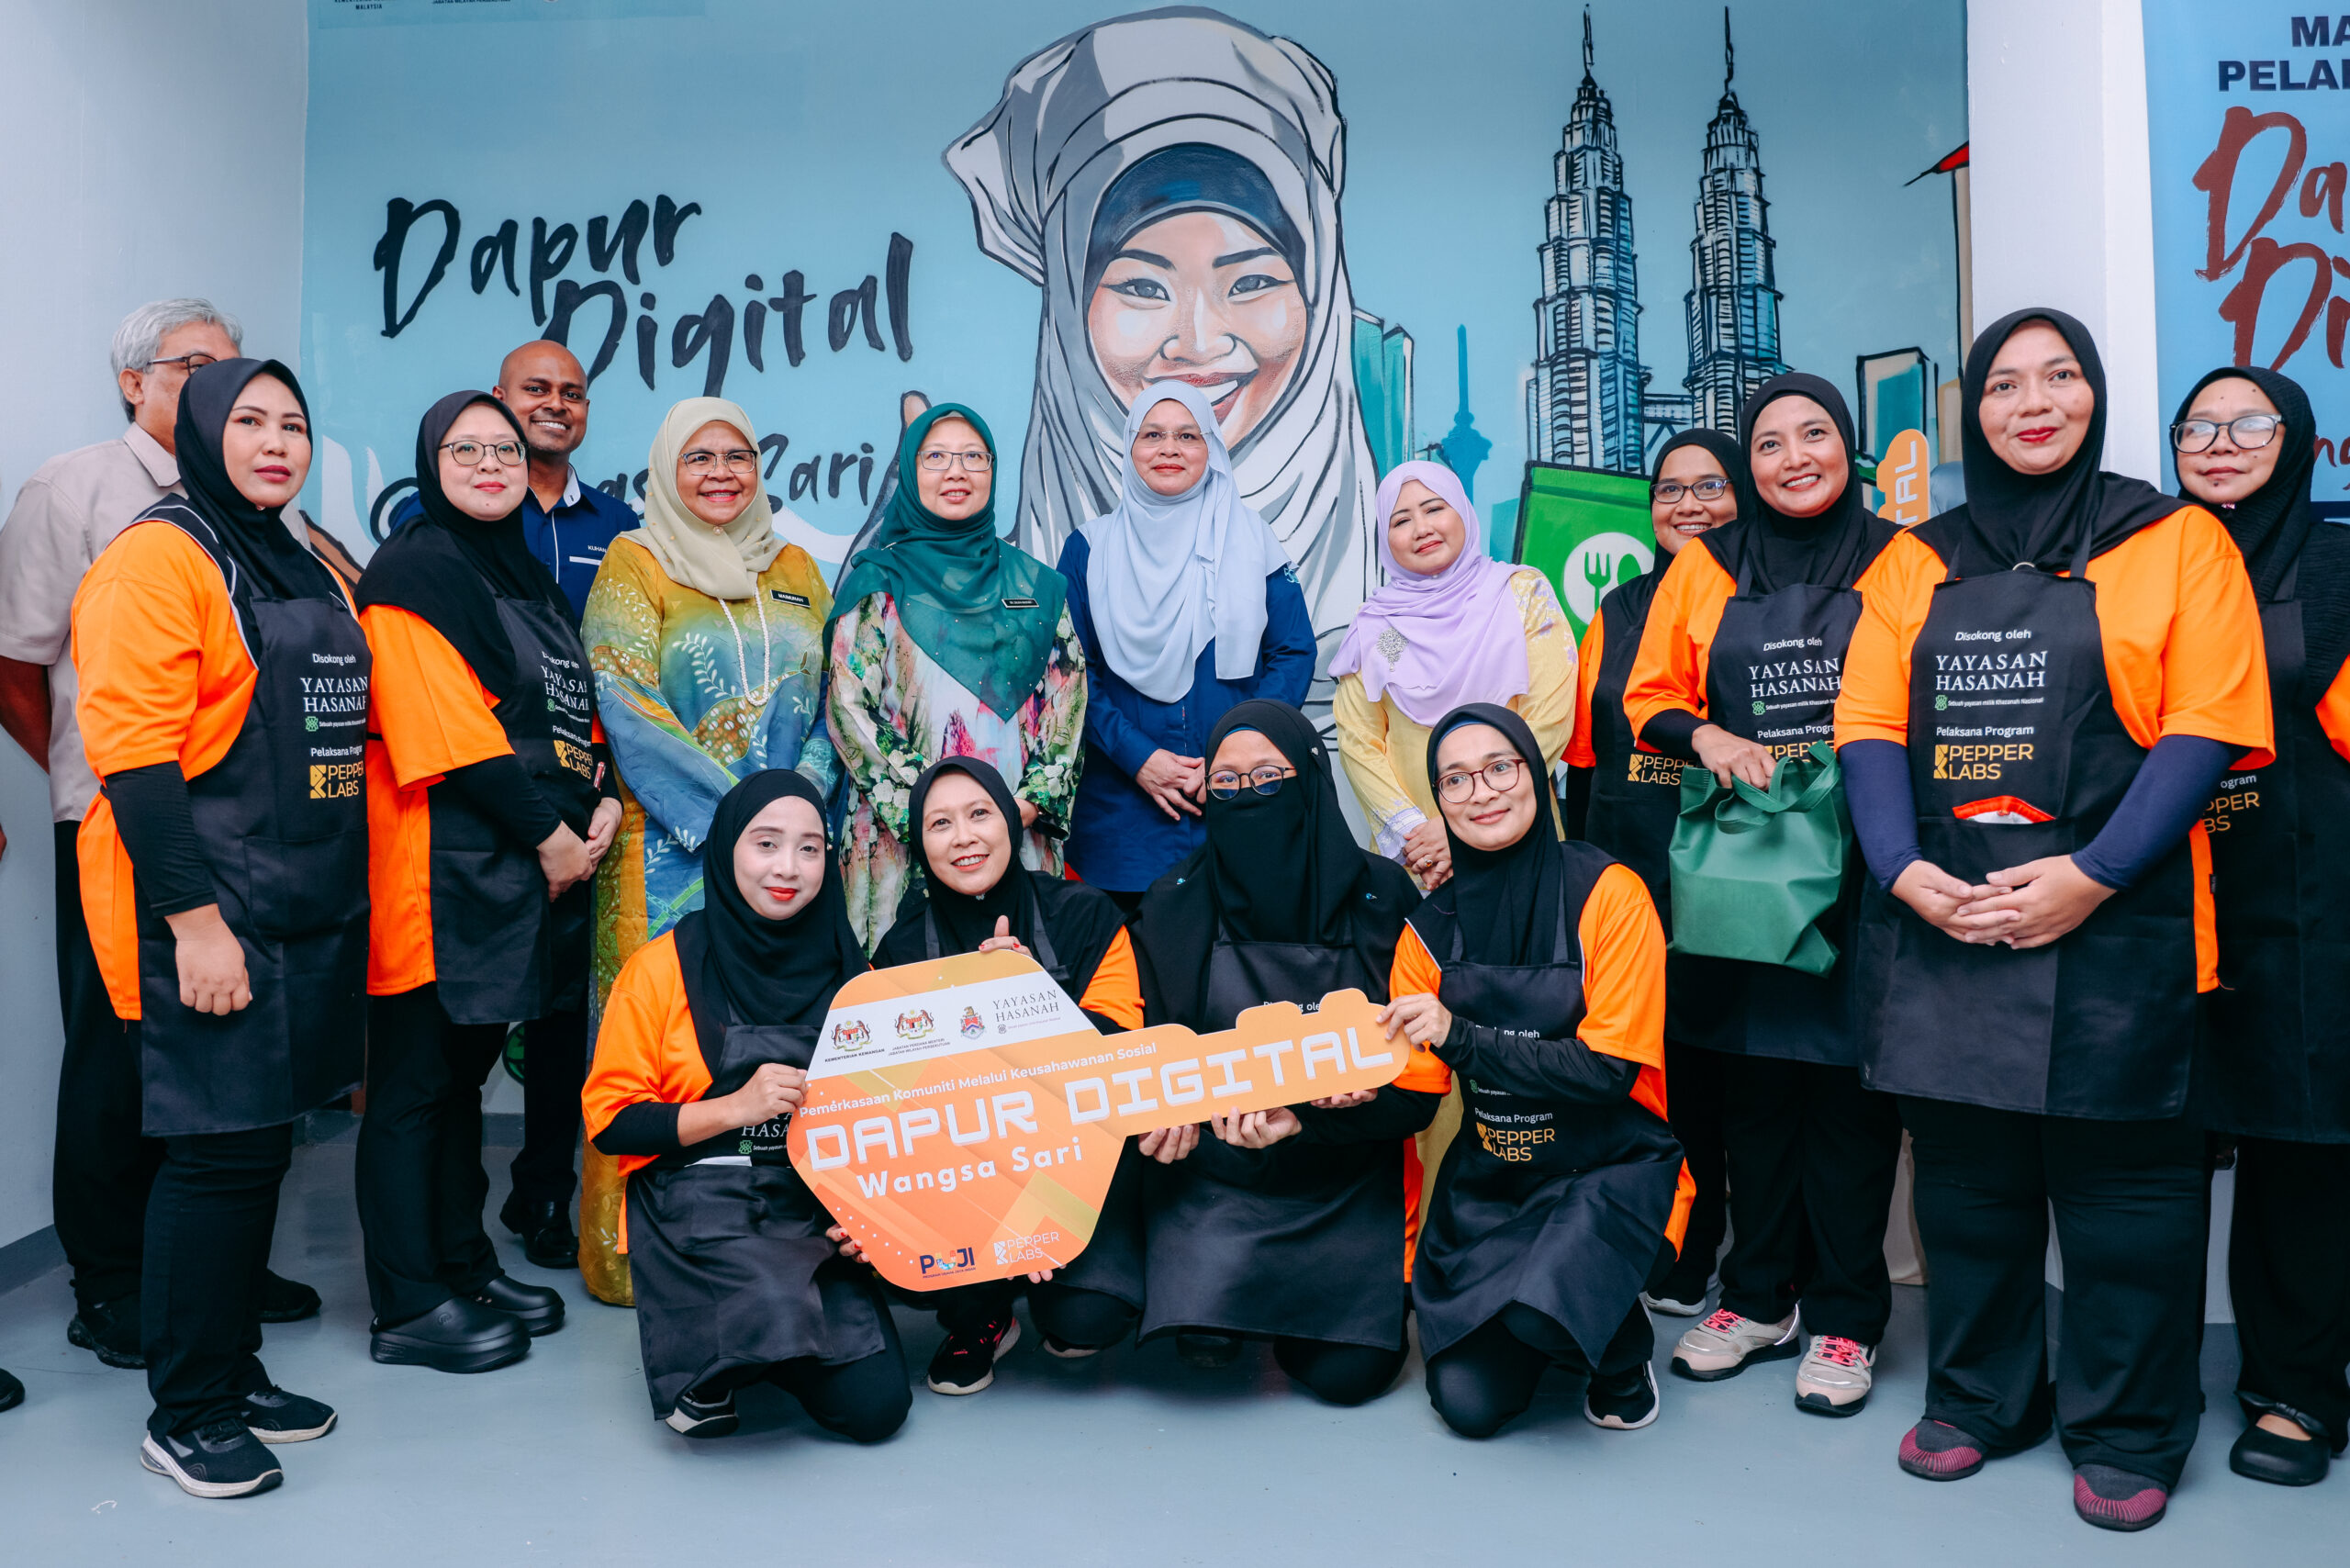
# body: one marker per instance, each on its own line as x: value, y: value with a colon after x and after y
x: 1670, y: 491
x: 700, y: 464
x: 1265, y: 780
x: 937, y: 462
x: 189, y: 362
x: 1460, y: 784
x: 2247, y: 433
x: 470, y: 453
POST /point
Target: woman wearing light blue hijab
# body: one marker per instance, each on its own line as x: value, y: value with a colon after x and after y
x: 1186, y: 606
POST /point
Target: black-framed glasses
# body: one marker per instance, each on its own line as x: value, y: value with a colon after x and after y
x: 936, y: 461
x: 699, y: 463
x: 2246, y: 433
x: 472, y: 454
x: 1265, y: 780
x: 191, y: 363
x: 1670, y: 491
x: 1461, y: 783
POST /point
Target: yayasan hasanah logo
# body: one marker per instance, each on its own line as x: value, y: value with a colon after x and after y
x: 914, y: 1026
x: 851, y: 1035
x: 972, y: 1027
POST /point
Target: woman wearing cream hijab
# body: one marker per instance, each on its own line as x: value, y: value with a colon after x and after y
x: 705, y: 630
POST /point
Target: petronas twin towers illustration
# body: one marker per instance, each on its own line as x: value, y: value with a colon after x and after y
x: 1589, y: 405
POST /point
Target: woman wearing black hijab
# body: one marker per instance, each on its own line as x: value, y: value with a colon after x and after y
x: 1737, y: 668
x: 489, y: 800
x: 1286, y: 1224
x: 2046, y: 685
x: 1625, y: 801
x: 700, y: 1063
x: 977, y: 897
x: 1536, y: 974
x: 223, y: 698
x: 2277, y: 1079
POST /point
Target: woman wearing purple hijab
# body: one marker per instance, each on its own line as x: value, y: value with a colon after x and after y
x: 1452, y: 626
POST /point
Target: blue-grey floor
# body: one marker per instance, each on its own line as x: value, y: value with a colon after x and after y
x: 1129, y: 1458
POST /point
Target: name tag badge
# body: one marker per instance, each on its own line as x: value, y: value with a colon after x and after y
x: 788, y: 597
x: 1020, y: 604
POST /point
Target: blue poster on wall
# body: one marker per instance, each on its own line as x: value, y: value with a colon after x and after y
x: 2249, y: 107
x: 1368, y: 232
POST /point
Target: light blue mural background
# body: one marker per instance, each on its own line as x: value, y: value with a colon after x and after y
x: 810, y: 134
x: 2187, y: 106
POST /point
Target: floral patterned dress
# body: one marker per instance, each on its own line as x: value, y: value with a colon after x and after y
x: 894, y: 711
x: 695, y: 695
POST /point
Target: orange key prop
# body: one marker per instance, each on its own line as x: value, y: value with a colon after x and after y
x: 962, y: 1118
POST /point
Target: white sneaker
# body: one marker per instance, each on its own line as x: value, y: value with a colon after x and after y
x: 1835, y: 1376
x: 1670, y: 1307
x: 1725, y: 1345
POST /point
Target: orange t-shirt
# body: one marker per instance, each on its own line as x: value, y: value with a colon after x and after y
x: 1623, y: 987
x: 164, y: 676
x: 2183, y: 654
x: 428, y: 714
x: 1114, y: 989
x: 1677, y: 645
x: 1594, y: 647
x: 645, y: 1050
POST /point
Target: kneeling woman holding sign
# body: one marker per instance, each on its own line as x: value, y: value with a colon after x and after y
x: 979, y: 898
x: 1301, y: 1242
x: 699, y: 1067
x: 1537, y: 974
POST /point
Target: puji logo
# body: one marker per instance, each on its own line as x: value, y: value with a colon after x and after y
x: 851, y: 1035
x: 914, y: 1026
x: 972, y: 1027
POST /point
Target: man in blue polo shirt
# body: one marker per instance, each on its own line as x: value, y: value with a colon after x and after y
x: 568, y: 526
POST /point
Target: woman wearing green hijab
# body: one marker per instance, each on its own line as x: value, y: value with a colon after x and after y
x: 947, y: 641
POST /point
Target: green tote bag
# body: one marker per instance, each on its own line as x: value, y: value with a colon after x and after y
x: 1755, y: 871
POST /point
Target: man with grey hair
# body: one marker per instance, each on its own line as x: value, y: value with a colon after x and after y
x: 69, y: 511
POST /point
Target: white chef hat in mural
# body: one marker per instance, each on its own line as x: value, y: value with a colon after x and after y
x: 1170, y: 181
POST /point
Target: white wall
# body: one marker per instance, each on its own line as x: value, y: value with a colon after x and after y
x: 2062, y: 196
x: 154, y: 149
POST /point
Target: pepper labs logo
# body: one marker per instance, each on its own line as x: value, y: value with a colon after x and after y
x: 972, y: 1027
x: 851, y: 1035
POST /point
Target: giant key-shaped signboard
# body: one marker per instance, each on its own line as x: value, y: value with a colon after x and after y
x: 962, y: 1118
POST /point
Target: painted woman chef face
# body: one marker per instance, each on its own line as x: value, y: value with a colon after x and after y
x: 1203, y: 298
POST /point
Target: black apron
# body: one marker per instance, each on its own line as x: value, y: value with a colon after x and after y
x: 2102, y: 1023
x: 1302, y: 1239
x: 1112, y: 1262
x: 1772, y: 677
x: 726, y: 1244
x: 2278, y: 1053
x: 1562, y: 1208
x: 501, y: 953
x: 282, y: 820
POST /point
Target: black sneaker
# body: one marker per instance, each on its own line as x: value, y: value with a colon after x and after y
x: 965, y: 1362
x: 694, y: 1418
x: 286, y: 1301
x: 1066, y: 1351
x: 219, y: 1458
x: 1207, y: 1352
x: 109, y: 1330
x: 459, y: 1336
x: 546, y: 1230
x: 1623, y: 1402
x: 539, y: 1308
x: 12, y: 1392
x: 276, y: 1416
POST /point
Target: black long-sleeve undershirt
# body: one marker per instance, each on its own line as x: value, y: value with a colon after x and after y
x: 1394, y: 1115
x: 157, y: 828
x: 647, y: 1127
x: 502, y: 789
x: 1529, y: 1065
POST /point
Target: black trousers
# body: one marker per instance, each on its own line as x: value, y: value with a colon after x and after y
x: 2288, y: 1271
x: 2132, y: 1221
x: 103, y: 1168
x: 1811, y: 1157
x: 421, y: 1181
x: 1092, y: 1320
x: 863, y: 1400
x: 1486, y: 1380
x: 1693, y: 1080
x: 209, y: 1219
x: 554, y: 1067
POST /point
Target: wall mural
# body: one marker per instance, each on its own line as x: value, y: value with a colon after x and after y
x: 1293, y: 207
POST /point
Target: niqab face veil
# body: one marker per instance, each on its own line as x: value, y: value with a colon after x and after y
x: 1073, y: 118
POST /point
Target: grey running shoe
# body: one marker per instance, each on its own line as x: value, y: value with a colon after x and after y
x: 1725, y: 1344
x: 1672, y: 1308
x: 1834, y: 1376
